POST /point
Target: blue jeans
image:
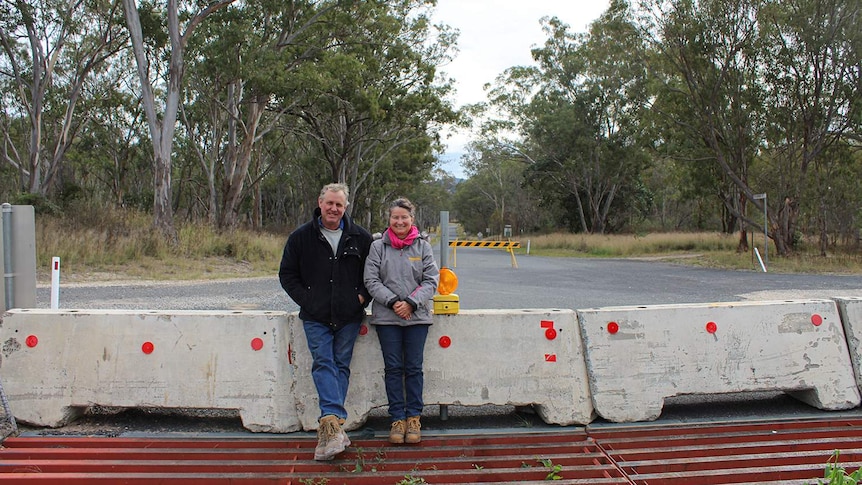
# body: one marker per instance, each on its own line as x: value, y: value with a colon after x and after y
x: 331, y: 352
x: 403, y: 353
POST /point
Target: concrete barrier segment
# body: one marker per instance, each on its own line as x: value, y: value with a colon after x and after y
x: 475, y: 357
x: 638, y: 356
x: 850, y: 309
x: 56, y: 363
x: 510, y: 357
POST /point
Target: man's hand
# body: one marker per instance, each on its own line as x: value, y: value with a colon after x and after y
x: 361, y: 299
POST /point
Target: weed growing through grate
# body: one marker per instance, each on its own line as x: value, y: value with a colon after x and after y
x: 314, y: 481
x: 361, y: 464
x: 553, y: 470
x: 411, y: 480
x: 837, y: 475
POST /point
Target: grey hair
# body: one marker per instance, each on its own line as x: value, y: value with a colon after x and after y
x: 403, y: 203
x: 337, y: 187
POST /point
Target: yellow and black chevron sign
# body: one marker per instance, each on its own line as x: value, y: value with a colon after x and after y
x: 487, y: 244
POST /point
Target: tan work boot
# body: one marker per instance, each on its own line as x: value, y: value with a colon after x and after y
x: 344, y: 438
x: 330, y: 439
x: 414, y: 435
x: 396, y: 432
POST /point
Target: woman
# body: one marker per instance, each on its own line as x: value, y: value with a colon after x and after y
x: 401, y: 276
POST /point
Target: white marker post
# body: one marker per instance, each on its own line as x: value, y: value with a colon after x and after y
x: 55, y: 283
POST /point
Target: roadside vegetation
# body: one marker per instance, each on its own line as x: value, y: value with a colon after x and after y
x: 113, y: 244
x: 708, y: 249
x: 122, y: 245
x: 658, y: 117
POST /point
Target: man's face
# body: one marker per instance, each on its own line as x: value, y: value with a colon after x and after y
x: 332, y: 206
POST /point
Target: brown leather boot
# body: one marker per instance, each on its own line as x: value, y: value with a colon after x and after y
x: 414, y: 433
x: 330, y: 439
x: 396, y: 432
x: 344, y: 438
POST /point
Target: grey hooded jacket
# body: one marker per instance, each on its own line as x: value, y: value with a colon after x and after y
x: 409, y: 274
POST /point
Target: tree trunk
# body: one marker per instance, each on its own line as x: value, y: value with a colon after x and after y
x: 238, y: 168
x: 162, y: 128
x: 742, y: 247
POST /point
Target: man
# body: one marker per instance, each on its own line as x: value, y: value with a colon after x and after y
x: 321, y: 270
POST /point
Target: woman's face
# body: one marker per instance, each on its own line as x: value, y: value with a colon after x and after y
x: 400, y: 221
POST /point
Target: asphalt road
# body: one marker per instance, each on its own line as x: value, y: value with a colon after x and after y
x: 487, y: 279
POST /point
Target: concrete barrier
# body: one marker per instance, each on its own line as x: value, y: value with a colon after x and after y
x: 475, y: 357
x: 619, y: 362
x: 850, y: 309
x: 55, y: 363
x: 637, y: 356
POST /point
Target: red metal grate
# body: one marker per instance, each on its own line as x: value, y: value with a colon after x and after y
x: 778, y: 452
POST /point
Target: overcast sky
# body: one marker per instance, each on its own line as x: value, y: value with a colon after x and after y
x: 496, y: 35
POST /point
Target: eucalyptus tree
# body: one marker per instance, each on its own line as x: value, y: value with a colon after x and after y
x: 377, y: 103
x: 108, y: 160
x: 813, y: 65
x: 49, y: 50
x: 577, y: 113
x: 250, y: 64
x: 156, y: 34
x: 499, y: 173
x: 708, y: 66
x: 762, y: 84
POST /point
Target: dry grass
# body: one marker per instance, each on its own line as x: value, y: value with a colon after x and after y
x: 106, y: 244
x: 600, y: 245
x: 715, y: 250
x: 116, y: 245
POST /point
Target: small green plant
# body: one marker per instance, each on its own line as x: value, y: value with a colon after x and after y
x: 361, y: 464
x: 837, y: 475
x: 477, y: 466
x: 313, y: 481
x: 411, y: 480
x: 553, y: 470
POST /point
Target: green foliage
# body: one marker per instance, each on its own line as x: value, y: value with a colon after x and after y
x: 41, y: 204
x: 552, y: 469
x: 837, y: 475
x: 411, y: 480
x: 361, y: 464
x: 662, y: 116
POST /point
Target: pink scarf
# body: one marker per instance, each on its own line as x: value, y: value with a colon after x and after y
x: 399, y: 243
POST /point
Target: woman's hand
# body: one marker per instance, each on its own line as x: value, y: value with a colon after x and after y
x: 403, y: 309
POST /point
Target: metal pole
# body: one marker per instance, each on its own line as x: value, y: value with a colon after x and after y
x: 444, y: 256
x: 765, y: 230
x: 765, y: 233
x: 444, y: 238
x: 8, y: 270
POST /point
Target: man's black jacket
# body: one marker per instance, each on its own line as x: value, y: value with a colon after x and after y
x: 326, y: 286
